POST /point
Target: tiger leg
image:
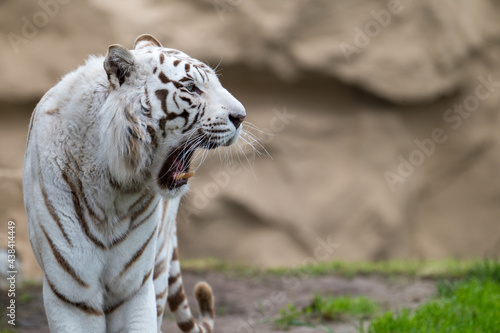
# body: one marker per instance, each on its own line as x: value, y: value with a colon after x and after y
x: 73, y: 298
x: 163, y: 253
x: 178, y: 303
x: 66, y: 315
x: 136, y: 314
x: 160, y: 279
x: 168, y: 281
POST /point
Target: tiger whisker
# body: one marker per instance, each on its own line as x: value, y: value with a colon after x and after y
x: 253, y: 140
x: 257, y: 141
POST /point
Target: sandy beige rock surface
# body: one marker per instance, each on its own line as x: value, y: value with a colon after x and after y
x: 341, y: 122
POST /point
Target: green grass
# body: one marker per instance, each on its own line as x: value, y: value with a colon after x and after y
x: 472, y: 307
x: 328, y: 308
x: 449, y: 268
x: 25, y: 297
x: 467, y: 300
x: 6, y: 327
x: 28, y: 283
x: 291, y: 316
x: 324, y: 309
x: 469, y: 305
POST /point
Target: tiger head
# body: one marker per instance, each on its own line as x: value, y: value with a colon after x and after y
x: 162, y: 105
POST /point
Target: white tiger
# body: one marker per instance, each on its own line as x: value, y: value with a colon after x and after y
x: 107, y: 159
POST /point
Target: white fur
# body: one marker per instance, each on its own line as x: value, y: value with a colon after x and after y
x: 81, y: 129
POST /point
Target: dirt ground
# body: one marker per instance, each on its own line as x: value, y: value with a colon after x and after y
x: 249, y: 304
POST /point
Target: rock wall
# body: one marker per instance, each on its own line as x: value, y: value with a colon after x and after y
x: 381, y: 119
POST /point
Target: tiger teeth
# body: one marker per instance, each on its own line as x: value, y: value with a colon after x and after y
x: 189, y: 174
x: 184, y: 175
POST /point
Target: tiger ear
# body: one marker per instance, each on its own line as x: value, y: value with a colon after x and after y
x: 119, y: 63
x: 146, y: 40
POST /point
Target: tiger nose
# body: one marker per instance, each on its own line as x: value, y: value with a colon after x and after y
x: 237, y: 118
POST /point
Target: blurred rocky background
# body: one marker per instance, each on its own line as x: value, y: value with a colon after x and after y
x: 381, y: 118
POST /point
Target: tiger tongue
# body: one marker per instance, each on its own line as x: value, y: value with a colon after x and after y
x: 184, y: 175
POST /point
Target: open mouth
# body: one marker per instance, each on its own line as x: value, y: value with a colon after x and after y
x: 175, y: 172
